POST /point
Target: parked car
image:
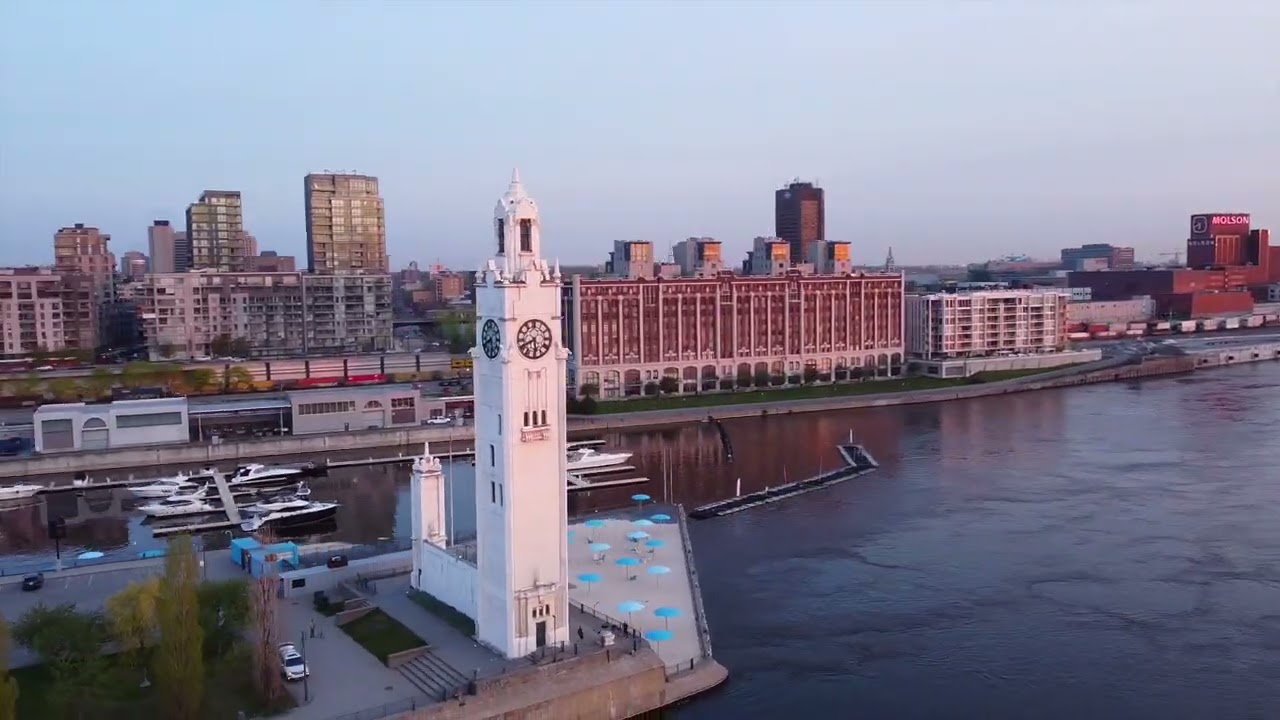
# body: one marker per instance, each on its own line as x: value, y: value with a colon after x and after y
x: 33, y: 582
x: 440, y: 420
x: 292, y: 665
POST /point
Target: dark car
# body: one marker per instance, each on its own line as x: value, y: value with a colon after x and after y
x: 33, y: 582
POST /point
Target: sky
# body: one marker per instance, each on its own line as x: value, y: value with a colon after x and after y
x: 951, y: 130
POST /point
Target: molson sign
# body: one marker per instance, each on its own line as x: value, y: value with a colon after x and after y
x: 1215, y: 224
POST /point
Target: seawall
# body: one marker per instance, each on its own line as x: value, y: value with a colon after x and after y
x: 409, y: 441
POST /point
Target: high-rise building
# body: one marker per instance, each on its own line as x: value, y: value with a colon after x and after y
x: 799, y: 217
x: 215, y: 232
x: 250, y: 245
x: 181, y: 251
x: 987, y: 323
x: 162, y: 247
x: 699, y: 257
x: 271, y: 261
x: 83, y: 250
x: 346, y: 224
x: 133, y: 265
x: 768, y: 256
x: 42, y: 309
x: 631, y: 259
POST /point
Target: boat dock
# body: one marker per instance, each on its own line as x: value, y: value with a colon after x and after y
x: 577, y: 484
x: 857, y: 462
x: 229, y: 505
x: 445, y: 455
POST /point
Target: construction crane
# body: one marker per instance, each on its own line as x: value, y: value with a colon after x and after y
x: 1177, y: 257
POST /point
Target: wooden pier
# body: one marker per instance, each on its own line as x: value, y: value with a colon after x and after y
x: 228, y: 500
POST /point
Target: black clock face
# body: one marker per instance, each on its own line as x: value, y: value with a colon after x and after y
x: 490, y: 339
x: 534, y: 339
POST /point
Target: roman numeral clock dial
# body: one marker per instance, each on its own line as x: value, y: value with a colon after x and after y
x: 534, y: 339
x: 490, y: 339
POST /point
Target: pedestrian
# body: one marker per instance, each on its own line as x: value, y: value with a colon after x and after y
x: 313, y: 629
x: 580, y: 633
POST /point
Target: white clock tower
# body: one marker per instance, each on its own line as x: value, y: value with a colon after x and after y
x: 521, y: 498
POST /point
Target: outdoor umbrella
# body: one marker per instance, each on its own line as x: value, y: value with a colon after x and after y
x: 655, y: 543
x: 666, y: 613
x: 658, y: 636
x: 589, y: 578
x: 658, y: 571
x: 594, y: 523
x: 642, y: 522
x: 599, y: 547
x: 660, y: 517
x: 641, y: 498
x: 627, y: 561
x: 637, y: 535
x: 630, y: 606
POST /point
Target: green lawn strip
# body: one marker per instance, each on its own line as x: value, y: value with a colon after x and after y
x: 808, y: 392
x: 447, y: 613
x: 382, y: 635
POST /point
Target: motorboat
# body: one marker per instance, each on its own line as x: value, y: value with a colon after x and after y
x: 284, y: 502
x: 20, y: 491
x: 164, y: 487
x: 178, y: 506
x: 255, y: 472
x: 312, y: 512
x: 586, y: 458
x: 194, y: 492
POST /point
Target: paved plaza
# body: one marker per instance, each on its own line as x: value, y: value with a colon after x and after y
x: 644, y: 546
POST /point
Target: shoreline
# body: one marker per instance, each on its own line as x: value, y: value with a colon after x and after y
x: 410, y: 441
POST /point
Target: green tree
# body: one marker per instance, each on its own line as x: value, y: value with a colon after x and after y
x: 179, y: 658
x: 200, y: 379
x: 137, y: 374
x: 64, y: 389
x: 69, y: 643
x: 221, y: 346
x: 8, y: 685
x: 131, y: 617
x: 589, y: 390
x: 40, y: 355
x: 100, y: 382
x: 224, y: 613
x: 237, y: 378
x: 651, y: 388
x: 668, y: 385
x: 31, y: 384
x: 810, y: 374
x: 241, y: 348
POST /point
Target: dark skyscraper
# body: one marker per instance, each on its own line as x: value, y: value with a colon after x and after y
x: 799, y: 217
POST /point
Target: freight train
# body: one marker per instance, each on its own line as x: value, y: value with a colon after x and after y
x: 1104, y: 331
x: 285, y: 368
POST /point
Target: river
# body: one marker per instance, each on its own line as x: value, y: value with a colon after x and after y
x: 1104, y: 551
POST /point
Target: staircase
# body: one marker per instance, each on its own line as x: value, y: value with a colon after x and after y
x: 433, y: 676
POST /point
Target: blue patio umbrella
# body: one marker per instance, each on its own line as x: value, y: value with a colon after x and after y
x: 627, y: 561
x: 637, y: 535
x: 594, y: 523
x: 658, y: 636
x: 660, y: 517
x: 655, y: 543
x: 658, y: 571
x: 589, y: 578
x: 599, y: 547
x: 630, y: 606
x: 641, y: 498
x: 642, y: 522
x: 666, y: 613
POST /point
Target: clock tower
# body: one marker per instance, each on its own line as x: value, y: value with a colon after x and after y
x: 519, y: 378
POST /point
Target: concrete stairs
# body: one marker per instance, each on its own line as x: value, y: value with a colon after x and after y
x: 433, y: 676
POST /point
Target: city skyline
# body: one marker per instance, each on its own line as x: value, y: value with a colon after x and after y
x: 954, y: 154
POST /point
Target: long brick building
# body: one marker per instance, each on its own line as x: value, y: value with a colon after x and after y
x: 626, y: 333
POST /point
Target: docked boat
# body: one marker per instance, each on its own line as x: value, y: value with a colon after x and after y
x: 585, y: 458
x: 255, y: 472
x: 312, y: 512
x: 20, y: 491
x: 178, y: 506
x: 165, y: 487
x: 285, y: 502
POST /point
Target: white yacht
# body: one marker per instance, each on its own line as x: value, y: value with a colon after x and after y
x: 585, y: 458
x: 163, y: 488
x: 312, y: 512
x: 257, y: 472
x: 20, y: 491
x: 178, y: 506
x: 270, y: 505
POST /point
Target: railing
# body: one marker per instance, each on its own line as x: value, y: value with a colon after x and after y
x: 614, y: 623
x: 354, y: 552
x: 389, y: 709
x: 699, y: 614
x: 682, y: 666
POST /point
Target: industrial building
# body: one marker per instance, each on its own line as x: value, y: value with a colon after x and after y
x: 627, y: 333
x: 103, y: 426
x: 996, y: 324
x: 346, y: 409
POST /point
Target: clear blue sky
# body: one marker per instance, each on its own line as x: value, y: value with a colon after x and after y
x: 951, y: 130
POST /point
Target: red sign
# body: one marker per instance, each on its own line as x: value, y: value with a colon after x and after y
x: 1230, y: 220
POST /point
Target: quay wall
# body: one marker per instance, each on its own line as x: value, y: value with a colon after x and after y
x: 409, y: 441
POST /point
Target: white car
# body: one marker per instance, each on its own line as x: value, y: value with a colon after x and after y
x: 440, y: 420
x: 292, y: 666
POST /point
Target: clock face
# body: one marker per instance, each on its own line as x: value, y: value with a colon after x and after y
x: 534, y: 339
x: 490, y: 339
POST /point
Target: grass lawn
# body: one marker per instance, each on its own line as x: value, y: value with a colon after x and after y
x: 382, y: 635
x: 447, y: 613
x: 743, y: 397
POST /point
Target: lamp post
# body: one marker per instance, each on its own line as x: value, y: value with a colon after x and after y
x: 306, y: 686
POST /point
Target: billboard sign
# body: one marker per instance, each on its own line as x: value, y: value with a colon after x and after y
x: 1217, y: 224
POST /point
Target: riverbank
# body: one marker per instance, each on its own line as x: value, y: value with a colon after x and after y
x: 409, y: 441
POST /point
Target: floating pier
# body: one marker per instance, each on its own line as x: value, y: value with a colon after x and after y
x: 857, y: 462
x: 577, y: 484
x: 446, y: 455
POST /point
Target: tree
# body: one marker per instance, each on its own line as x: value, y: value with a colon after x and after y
x: 131, y: 617
x: 200, y: 379
x: 762, y: 378
x: 589, y: 390
x: 224, y: 612
x: 179, y: 658
x: 668, y: 385
x: 221, y: 345
x: 237, y: 378
x: 30, y: 385
x: 100, y: 382
x: 69, y: 643
x: 651, y: 388
x: 263, y: 603
x: 64, y: 389
x: 727, y: 383
x: 8, y: 685
x: 39, y: 355
x: 810, y: 374
x: 137, y: 374
x: 240, y: 347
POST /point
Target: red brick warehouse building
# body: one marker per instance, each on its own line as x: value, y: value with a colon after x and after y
x: 625, y: 333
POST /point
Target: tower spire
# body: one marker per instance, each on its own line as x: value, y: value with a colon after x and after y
x: 515, y: 178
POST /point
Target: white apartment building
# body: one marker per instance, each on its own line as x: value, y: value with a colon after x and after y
x: 194, y: 314
x: 992, y: 323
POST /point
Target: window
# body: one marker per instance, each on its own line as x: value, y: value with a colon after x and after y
x: 404, y: 402
x: 526, y: 236
x: 499, y: 423
x: 502, y: 240
x: 499, y: 494
x: 493, y: 492
x: 149, y: 420
x: 493, y: 457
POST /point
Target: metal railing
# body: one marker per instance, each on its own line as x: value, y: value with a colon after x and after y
x: 389, y: 709
x: 354, y: 552
x: 699, y: 613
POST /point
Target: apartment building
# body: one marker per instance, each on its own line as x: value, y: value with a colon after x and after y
x: 346, y: 224
x: 987, y: 323
x: 832, y: 257
x: 215, y: 235
x: 768, y: 256
x: 41, y: 309
x: 271, y: 314
x: 699, y: 257
x: 271, y: 261
x: 162, y: 247
x: 133, y: 265
x: 83, y: 250
x: 631, y: 259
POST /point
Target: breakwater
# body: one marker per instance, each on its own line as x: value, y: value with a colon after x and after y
x: 409, y: 441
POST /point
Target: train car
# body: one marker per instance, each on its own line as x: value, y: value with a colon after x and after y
x: 1078, y: 336
x: 1160, y: 328
x: 316, y: 382
x: 376, y: 379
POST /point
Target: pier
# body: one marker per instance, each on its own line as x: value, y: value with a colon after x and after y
x: 857, y: 462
